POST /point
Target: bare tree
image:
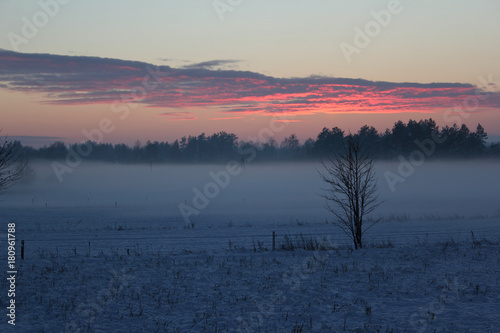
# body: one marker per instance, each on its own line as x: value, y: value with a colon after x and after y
x: 12, y: 164
x: 352, y: 189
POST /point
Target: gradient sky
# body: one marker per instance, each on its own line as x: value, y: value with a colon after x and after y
x: 261, y: 59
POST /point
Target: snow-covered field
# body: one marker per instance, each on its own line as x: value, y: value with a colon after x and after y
x: 108, y: 251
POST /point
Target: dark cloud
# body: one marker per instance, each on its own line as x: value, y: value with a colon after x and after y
x: 175, y: 114
x: 35, y: 137
x: 179, y: 115
x: 69, y: 80
x: 212, y: 64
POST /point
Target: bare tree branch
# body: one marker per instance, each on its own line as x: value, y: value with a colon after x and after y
x: 12, y: 164
x: 352, y: 189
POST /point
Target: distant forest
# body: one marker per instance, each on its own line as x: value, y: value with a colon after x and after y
x: 402, y: 140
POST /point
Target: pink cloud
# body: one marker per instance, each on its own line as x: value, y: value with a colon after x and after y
x: 173, y: 116
x: 69, y: 80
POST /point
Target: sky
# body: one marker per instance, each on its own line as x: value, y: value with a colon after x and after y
x: 121, y: 71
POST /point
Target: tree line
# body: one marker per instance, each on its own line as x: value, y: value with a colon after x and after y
x: 404, y: 138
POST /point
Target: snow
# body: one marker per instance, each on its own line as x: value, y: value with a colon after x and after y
x: 92, y: 267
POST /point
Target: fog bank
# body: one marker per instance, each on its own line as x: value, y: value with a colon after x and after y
x: 288, y: 191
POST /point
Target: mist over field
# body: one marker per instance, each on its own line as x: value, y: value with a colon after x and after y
x: 283, y: 191
x: 118, y: 230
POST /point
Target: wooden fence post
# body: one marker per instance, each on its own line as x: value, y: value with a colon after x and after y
x: 274, y: 241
